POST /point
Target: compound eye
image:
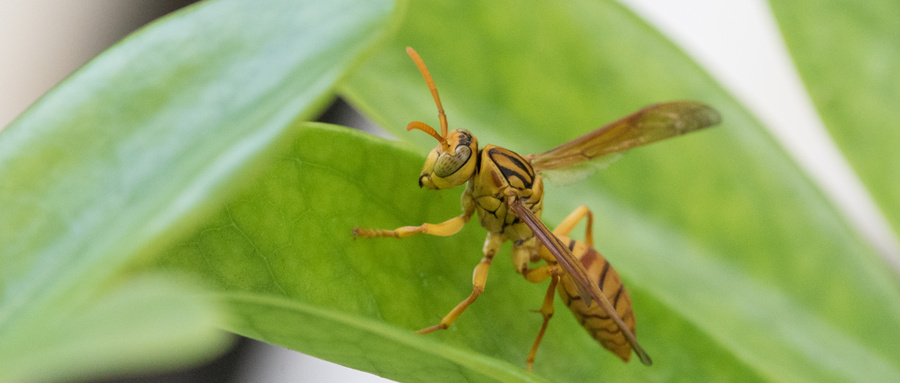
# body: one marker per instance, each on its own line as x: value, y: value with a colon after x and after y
x: 447, y: 164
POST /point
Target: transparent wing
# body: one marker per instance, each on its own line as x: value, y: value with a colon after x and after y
x: 579, y: 171
x: 650, y: 124
x: 588, y: 291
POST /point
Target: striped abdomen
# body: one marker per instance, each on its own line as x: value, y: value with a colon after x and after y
x: 594, y: 319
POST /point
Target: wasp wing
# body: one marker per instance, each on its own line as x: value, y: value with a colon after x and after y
x: 562, y: 253
x: 587, y: 290
x: 650, y: 124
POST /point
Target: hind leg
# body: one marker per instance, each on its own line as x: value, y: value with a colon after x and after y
x: 538, y: 275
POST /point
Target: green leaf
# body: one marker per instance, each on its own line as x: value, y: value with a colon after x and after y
x: 137, y: 147
x: 847, y: 55
x: 290, y: 236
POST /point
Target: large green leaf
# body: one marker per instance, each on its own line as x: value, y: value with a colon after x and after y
x: 847, y: 54
x: 110, y: 167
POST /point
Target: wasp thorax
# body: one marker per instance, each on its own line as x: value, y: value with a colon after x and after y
x: 453, y: 166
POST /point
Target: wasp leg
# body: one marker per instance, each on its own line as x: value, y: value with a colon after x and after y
x: 538, y: 275
x: 567, y: 225
x: 443, y: 229
x: 479, y: 279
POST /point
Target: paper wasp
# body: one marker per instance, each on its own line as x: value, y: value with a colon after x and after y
x: 506, y: 190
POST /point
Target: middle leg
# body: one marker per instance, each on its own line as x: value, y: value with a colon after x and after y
x: 479, y: 279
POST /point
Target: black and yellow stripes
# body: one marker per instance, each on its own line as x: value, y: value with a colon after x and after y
x: 594, y: 319
x: 514, y: 168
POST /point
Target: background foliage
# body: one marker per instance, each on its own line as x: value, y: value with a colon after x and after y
x: 180, y: 158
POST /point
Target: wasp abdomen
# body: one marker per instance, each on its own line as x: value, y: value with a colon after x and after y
x: 594, y: 319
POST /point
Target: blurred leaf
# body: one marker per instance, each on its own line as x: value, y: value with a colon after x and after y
x: 141, y: 326
x: 848, y: 57
x: 114, y: 164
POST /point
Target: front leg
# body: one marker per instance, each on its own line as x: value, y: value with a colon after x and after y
x: 443, y: 229
x: 446, y: 228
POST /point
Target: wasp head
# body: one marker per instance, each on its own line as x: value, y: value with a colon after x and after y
x: 452, y: 162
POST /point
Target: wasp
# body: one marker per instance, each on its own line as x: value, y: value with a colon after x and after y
x: 506, y: 191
